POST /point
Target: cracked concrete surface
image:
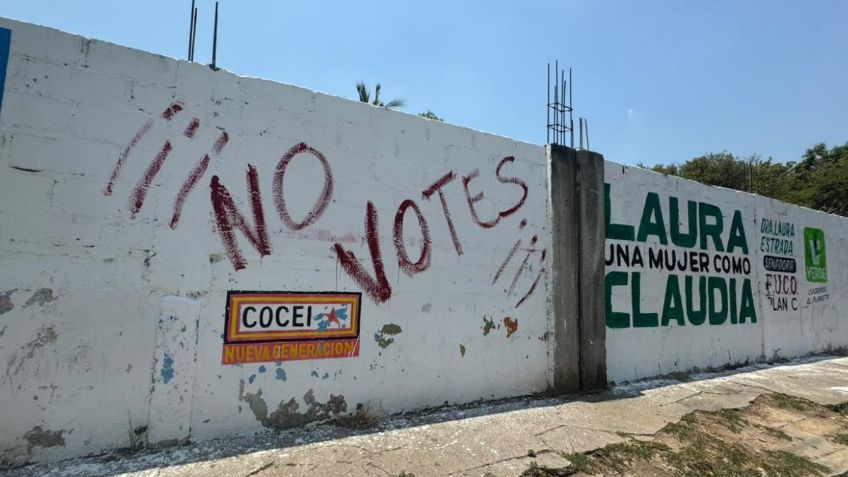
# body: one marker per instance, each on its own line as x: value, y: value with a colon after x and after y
x: 491, y: 439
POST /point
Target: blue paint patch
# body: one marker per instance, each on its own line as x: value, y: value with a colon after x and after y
x: 5, y: 44
x: 251, y: 378
x: 314, y: 374
x: 326, y: 375
x: 262, y: 369
x: 278, y: 363
x: 281, y: 374
x: 167, y: 368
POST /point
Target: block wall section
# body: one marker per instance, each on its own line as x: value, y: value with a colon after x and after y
x: 702, y: 277
x: 116, y: 265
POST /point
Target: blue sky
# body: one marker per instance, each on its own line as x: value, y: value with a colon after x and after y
x: 659, y: 81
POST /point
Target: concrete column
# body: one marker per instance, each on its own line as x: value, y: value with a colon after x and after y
x: 577, y: 205
x: 565, y: 297
x: 592, y: 234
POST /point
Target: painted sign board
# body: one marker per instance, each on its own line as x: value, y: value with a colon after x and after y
x: 266, y: 326
x: 815, y: 257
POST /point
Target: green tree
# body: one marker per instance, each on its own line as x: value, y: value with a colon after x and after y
x: 818, y: 181
x: 430, y: 115
x: 822, y: 176
x: 669, y: 170
x: 365, y: 97
x: 722, y: 169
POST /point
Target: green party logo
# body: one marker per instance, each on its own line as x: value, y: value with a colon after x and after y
x: 815, y: 255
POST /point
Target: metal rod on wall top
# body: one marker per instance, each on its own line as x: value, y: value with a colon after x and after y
x: 193, y: 34
x: 571, y: 129
x: 548, y: 106
x: 562, y: 102
x: 556, y: 101
x: 571, y: 106
x: 581, y: 132
x: 586, y: 125
x: 190, y: 28
x: 215, y: 38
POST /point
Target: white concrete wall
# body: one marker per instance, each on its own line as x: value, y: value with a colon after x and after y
x: 787, y: 324
x: 111, y: 320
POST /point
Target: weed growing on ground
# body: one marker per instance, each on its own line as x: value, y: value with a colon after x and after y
x: 364, y: 418
x: 536, y: 470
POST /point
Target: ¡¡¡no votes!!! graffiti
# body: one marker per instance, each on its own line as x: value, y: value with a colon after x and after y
x: 229, y: 218
x: 700, y: 264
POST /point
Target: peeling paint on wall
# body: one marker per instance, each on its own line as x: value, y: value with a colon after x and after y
x: 167, y: 371
x: 6, y: 304
x: 41, y: 297
x: 38, y: 437
x: 287, y: 416
x: 511, y: 326
x: 280, y: 374
x: 382, y: 337
x: 45, y: 335
x: 488, y: 325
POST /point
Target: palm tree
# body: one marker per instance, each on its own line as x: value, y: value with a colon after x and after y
x: 365, y: 97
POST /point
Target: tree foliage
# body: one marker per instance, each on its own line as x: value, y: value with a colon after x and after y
x: 365, y: 97
x: 430, y: 115
x: 819, y: 180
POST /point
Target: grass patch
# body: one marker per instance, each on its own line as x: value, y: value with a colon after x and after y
x: 731, y: 418
x: 536, y: 470
x: 776, y: 433
x: 581, y: 462
x: 840, y: 439
x: 790, y: 402
x: 704, y: 454
x: 619, y: 456
x: 683, y: 430
x: 787, y: 463
x: 715, y: 458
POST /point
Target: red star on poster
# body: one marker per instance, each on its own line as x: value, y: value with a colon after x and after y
x: 331, y: 317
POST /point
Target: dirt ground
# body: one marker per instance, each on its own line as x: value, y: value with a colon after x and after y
x: 776, y: 435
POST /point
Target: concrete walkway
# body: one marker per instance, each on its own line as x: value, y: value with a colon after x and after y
x: 492, y: 439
